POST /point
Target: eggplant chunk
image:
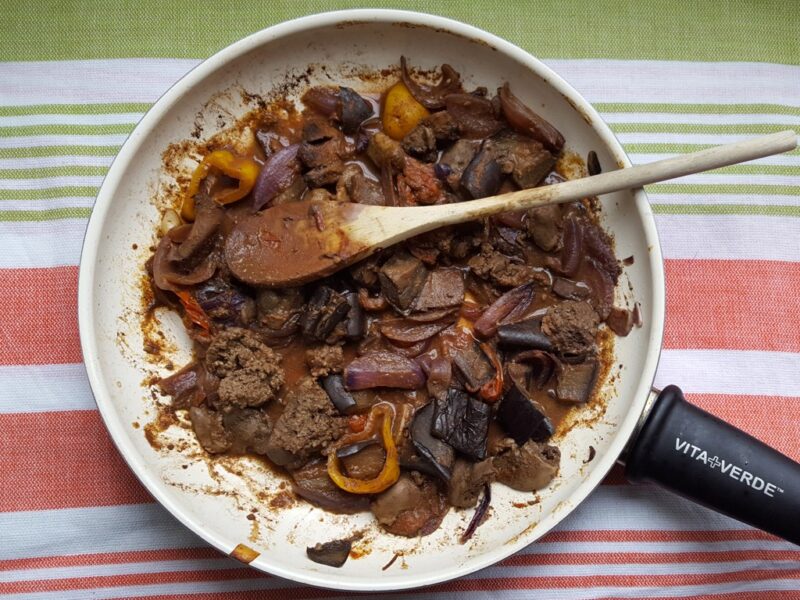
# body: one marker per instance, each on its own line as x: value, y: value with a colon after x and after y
x: 341, y: 398
x: 332, y: 554
x: 576, y: 382
x: 402, y: 278
x: 354, y: 109
x: 438, y: 453
x: 324, y: 311
x: 522, y: 417
x: 483, y: 176
x: 463, y: 423
x: 524, y: 334
x: 474, y: 367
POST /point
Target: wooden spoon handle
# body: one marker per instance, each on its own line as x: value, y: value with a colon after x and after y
x: 622, y: 179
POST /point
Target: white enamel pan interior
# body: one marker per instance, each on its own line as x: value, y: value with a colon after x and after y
x: 213, y: 501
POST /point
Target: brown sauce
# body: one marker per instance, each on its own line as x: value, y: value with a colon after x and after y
x: 248, y: 259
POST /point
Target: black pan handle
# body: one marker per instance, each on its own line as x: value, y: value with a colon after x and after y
x: 696, y: 455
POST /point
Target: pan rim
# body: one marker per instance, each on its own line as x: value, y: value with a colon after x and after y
x: 86, y: 291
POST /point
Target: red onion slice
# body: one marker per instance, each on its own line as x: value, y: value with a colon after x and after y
x: 480, y: 513
x: 276, y: 175
x: 474, y: 115
x: 405, y: 332
x: 323, y: 99
x: 432, y: 96
x: 177, y: 384
x: 383, y: 369
x: 527, y: 122
x: 486, y: 326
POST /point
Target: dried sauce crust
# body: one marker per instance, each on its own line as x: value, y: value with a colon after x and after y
x: 407, y: 383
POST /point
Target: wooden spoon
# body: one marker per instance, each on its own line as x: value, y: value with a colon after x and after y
x: 297, y: 242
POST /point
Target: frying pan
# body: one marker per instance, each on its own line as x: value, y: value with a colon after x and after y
x: 658, y: 435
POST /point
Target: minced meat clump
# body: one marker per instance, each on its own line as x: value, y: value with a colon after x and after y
x: 249, y: 371
x: 325, y: 360
x: 572, y: 327
x: 308, y: 425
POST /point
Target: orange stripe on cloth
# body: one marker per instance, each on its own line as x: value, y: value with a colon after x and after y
x: 83, y: 583
x: 765, y: 595
x: 309, y: 593
x: 674, y: 579
x: 523, y: 583
x: 656, y: 535
x: 462, y: 585
x: 733, y: 305
x: 642, y: 558
x: 756, y: 415
x: 728, y: 304
x: 39, y: 316
x: 298, y: 592
x: 581, y: 558
x: 62, y: 460
x: 109, y: 558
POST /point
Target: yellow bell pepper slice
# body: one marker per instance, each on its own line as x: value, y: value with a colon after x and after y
x: 243, y: 168
x: 401, y: 112
x: 390, y: 472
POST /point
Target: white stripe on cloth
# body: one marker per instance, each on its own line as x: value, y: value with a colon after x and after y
x: 788, y: 160
x: 116, y: 139
x: 29, y: 244
x: 689, y: 118
x: 43, y: 183
x: 741, y: 372
x: 740, y: 199
x: 168, y: 590
x: 54, y: 118
x: 105, y: 161
x: 44, y: 204
x: 44, y: 388
x: 38, y: 162
x: 599, y: 80
x: 98, y: 81
x: 641, y: 137
x: 37, y: 141
x: 132, y: 568
x: 97, y: 529
x: 568, y: 569
x: 136, y: 527
x: 727, y: 237
x: 650, y: 81
x: 737, y: 179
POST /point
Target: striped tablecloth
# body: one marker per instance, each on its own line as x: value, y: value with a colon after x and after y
x: 670, y: 77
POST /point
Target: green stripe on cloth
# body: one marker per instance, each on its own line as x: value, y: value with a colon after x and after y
x: 758, y: 170
x: 74, y: 109
x: 705, y: 109
x: 66, y: 170
x: 669, y: 148
x: 65, y: 129
x: 735, y: 128
x: 723, y: 188
x: 49, y: 193
x: 95, y: 171
x: 40, y: 151
x: 662, y: 209
x: 608, y: 107
x: 52, y: 214
x: 726, y: 209
x: 738, y: 30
